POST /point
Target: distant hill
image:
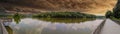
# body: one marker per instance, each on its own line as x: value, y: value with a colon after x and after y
x: 87, y: 6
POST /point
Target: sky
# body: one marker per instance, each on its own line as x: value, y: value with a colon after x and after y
x: 102, y: 7
x: 96, y: 7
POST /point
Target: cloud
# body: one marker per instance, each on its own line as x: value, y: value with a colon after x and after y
x: 87, y: 6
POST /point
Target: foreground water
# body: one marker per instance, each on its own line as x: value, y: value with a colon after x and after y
x: 52, y: 26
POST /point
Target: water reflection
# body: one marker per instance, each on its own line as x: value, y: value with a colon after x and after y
x: 17, y: 18
x: 6, y: 22
x: 66, y: 20
x: 66, y: 29
x: 52, y: 25
x: 34, y: 26
x: 9, y: 30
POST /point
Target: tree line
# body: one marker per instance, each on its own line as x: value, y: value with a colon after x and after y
x: 113, y: 14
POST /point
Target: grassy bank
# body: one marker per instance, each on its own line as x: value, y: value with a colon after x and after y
x: 63, y: 15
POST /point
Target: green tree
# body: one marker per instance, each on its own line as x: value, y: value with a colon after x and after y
x: 116, y: 10
x: 109, y: 14
x: 17, y: 18
x: 116, y: 14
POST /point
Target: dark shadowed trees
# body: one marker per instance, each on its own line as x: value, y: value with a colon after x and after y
x: 109, y: 14
x: 116, y: 10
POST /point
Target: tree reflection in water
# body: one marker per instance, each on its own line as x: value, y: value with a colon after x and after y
x: 17, y: 18
x: 9, y: 30
x: 66, y: 20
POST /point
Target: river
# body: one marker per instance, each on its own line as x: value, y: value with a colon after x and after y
x: 52, y: 26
